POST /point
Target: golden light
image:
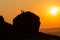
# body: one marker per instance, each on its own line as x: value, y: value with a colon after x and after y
x: 54, y: 10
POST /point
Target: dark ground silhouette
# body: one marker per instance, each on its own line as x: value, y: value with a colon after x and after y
x: 4, y: 26
x: 5, y: 29
x: 25, y: 27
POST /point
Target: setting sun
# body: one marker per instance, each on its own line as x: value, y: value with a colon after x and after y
x: 54, y: 10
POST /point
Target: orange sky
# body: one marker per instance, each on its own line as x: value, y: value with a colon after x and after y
x: 11, y: 8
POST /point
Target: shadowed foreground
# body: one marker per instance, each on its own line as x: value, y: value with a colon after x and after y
x: 25, y: 27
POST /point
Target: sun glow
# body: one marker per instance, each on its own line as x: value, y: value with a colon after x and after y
x: 54, y: 10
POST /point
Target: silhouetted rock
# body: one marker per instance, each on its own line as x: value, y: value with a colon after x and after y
x: 4, y: 26
x: 1, y: 22
x: 26, y: 26
x: 26, y: 22
x: 5, y: 29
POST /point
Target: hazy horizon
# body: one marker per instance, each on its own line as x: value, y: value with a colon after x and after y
x: 51, y: 31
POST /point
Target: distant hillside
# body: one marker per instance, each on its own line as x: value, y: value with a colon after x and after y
x: 52, y: 31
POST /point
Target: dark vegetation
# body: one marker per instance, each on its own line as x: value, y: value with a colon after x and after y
x: 25, y: 27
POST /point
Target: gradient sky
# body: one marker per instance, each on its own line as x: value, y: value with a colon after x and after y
x: 11, y: 8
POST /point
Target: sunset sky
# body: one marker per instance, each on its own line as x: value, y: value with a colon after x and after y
x: 43, y: 8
